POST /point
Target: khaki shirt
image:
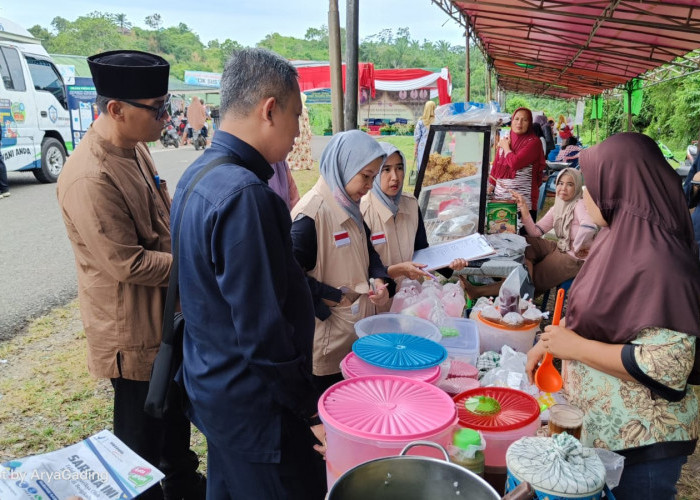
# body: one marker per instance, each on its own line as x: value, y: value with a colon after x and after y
x: 393, y: 238
x: 117, y: 221
x: 342, y: 261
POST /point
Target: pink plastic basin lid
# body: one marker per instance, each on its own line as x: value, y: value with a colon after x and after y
x: 516, y: 409
x: 387, y: 408
x: 354, y: 367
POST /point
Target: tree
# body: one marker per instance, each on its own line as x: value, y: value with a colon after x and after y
x: 154, y: 21
x: 60, y: 24
x: 40, y: 33
x: 121, y: 21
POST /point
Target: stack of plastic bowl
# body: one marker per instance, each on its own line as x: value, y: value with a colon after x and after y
x: 352, y: 367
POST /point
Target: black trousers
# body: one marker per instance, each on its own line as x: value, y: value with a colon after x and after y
x: 300, y: 475
x: 4, y: 186
x: 165, y: 443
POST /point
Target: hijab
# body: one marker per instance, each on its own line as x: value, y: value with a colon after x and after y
x: 518, y: 142
x: 391, y: 202
x: 279, y: 182
x: 345, y: 155
x: 643, y: 269
x: 428, y: 114
x: 563, y: 211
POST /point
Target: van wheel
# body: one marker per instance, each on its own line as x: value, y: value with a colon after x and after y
x: 53, y: 156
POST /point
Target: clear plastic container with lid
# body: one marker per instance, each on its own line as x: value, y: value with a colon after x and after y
x: 466, y: 450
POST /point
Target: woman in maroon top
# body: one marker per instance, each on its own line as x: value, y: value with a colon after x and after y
x: 519, y: 164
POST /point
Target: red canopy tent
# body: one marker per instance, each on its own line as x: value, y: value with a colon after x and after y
x: 573, y: 48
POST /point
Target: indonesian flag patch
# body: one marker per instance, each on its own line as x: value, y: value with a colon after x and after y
x: 341, y: 238
x: 378, y: 239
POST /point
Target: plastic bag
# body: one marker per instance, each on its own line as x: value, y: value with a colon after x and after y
x: 453, y: 300
x: 475, y: 113
x: 614, y: 465
x: 510, y: 371
x: 516, y: 285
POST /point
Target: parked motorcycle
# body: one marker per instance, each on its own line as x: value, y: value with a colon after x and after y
x: 168, y: 136
x: 199, y: 138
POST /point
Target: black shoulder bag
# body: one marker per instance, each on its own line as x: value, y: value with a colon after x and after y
x: 162, y: 387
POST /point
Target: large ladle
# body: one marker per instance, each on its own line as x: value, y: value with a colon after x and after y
x: 547, y: 377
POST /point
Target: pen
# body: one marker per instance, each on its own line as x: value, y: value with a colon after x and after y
x: 431, y: 275
x: 157, y: 179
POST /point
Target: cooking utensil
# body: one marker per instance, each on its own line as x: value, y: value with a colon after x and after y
x: 547, y: 377
x: 407, y: 477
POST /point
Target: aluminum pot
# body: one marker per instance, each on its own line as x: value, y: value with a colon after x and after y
x: 416, y: 478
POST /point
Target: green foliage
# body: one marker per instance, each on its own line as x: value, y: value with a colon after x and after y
x: 670, y: 111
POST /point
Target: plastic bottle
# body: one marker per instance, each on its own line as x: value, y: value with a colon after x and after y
x: 466, y: 450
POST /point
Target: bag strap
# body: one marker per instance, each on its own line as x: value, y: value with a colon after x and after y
x: 169, y: 311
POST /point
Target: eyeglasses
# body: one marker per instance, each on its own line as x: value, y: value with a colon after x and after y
x: 160, y: 110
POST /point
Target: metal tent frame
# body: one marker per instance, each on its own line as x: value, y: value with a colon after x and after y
x: 574, y: 48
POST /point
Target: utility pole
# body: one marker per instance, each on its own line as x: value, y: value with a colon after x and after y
x: 352, y: 48
x: 467, y: 80
x: 336, y: 66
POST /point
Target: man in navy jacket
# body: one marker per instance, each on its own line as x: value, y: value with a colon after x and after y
x: 248, y: 309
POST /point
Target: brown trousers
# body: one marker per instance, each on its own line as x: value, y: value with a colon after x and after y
x: 550, y: 266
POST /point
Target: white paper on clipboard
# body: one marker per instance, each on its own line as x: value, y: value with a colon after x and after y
x: 470, y: 247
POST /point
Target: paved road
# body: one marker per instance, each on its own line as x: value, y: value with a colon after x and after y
x: 37, y: 270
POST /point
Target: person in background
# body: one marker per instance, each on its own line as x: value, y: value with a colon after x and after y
x: 300, y: 157
x: 553, y: 262
x: 690, y: 193
x: 537, y: 128
x: 395, y: 221
x: 420, y: 132
x: 629, y: 337
x: 283, y: 184
x: 548, y: 135
x: 116, y: 210
x: 332, y: 244
x: 570, y: 151
x: 4, y: 186
x: 248, y: 311
x: 196, y: 117
x: 519, y: 164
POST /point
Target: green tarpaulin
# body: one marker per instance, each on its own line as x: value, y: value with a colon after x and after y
x: 634, y: 86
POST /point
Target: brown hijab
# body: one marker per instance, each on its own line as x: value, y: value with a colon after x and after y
x: 643, y: 270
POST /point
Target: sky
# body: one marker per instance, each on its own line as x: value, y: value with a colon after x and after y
x: 249, y: 21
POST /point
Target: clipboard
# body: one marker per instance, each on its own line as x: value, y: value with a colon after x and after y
x: 470, y: 247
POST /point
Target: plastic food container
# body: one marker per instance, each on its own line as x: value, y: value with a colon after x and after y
x: 557, y: 468
x: 503, y: 415
x: 374, y: 417
x: 399, y: 351
x: 465, y: 346
x: 397, y: 323
x: 353, y: 367
x: 493, y: 336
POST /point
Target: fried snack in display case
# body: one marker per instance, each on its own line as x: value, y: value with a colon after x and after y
x: 452, y: 181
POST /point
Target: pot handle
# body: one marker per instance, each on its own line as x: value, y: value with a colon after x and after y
x: 425, y: 443
x: 521, y: 492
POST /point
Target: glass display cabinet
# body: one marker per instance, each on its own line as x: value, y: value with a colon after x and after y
x: 452, y: 180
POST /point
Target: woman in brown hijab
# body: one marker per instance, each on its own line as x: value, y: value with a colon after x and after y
x: 633, y: 318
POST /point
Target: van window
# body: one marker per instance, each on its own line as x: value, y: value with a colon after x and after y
x: 47, y: 78
x: 11, y: 69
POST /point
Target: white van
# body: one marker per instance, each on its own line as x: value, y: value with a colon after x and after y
x: 33, y: 106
